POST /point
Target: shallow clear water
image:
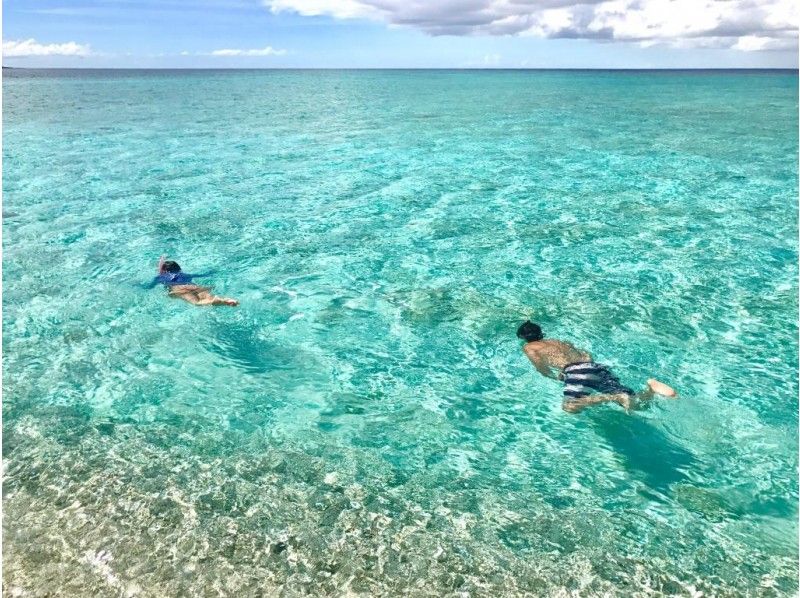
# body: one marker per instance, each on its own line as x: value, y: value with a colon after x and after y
x: 365, y: 422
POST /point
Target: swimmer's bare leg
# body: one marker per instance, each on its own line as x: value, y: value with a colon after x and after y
x: 654, y: 387
x: 628, y: 402
x: 187, y: 296
x: 206, y: 298
x: 577, y: 405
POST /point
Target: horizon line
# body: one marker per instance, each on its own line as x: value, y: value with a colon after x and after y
x: 390, y: 68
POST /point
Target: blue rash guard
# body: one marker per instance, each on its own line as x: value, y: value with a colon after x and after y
x: 174, y: 278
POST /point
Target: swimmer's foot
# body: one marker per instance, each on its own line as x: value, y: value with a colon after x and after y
x: 222, y: 301
x: 662, y: 389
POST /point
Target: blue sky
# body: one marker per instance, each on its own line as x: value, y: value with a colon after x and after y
x: 401, y: 33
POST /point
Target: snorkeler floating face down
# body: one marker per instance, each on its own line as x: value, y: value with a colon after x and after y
x: 180, y: 285
x: 585, y: 381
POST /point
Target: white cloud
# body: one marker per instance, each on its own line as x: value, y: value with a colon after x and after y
x: 30, y: 47
x: 740, y: 24
x: 268, y: 51
x: 341, y: 9
x: 754, y: 43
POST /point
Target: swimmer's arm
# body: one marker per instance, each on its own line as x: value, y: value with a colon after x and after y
x: 153, y: 283
x: 539, y: 364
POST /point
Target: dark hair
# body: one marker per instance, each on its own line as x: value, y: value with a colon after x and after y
x: 170, y: 266
x: 530, y: 332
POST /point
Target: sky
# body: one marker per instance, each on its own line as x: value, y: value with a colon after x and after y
x: 401, y: 33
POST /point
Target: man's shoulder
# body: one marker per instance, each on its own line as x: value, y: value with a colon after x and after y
x: 544, y: 344
x: 533, y: 347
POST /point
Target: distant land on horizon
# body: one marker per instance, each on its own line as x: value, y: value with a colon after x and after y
x: 394, y: 68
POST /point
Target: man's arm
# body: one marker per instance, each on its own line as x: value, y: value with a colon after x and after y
x: 152, y: 284
x: 539, y: 364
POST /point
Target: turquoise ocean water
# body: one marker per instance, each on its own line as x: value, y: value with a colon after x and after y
x: 365, y: 422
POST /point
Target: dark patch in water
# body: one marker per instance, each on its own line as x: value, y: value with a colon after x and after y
x: 241, y: 424
x: 646, y: 451
x: 328, y: 426
x: 240, y: 345
x: 105, y: 429
x: 346, y: 404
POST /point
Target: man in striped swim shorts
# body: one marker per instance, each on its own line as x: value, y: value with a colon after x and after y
x: 585, y: 381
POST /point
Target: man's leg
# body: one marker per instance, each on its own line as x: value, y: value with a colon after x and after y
x: 575, y: 405
x: 654, y: 387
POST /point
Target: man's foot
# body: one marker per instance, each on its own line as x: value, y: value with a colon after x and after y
x: 661, y: 389
x: 230, y: 302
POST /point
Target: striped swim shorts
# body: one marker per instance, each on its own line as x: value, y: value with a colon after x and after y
x: 584, y: 379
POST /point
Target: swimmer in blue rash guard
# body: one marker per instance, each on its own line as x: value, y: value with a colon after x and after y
x: 585, y: 381
x: 180, y: 285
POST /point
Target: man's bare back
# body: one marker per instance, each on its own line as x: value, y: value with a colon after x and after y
x: 585, y: 381
x: 550, y: 356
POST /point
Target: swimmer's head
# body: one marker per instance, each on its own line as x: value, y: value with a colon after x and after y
x: 171, y: 267
x: 530, y: 332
